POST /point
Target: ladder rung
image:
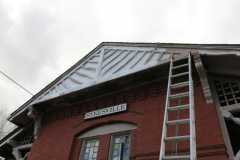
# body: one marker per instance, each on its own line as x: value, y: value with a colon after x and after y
x: 180, y: 95
x: 182, y: 84
x: 178, y: 107
x: 180, y: 66
x: 180, y: 74
x: 183, y: 69
x: 180, y: 59
x: 181, y: 121
x: 185, y: 157
x: 177, y: 138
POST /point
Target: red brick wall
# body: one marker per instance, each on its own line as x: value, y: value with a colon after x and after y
x: 145, y: 109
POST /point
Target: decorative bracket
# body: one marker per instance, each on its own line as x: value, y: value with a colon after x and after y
x: 203, y: 78
x: 25, y: 157
x: 12, y: 143
x: 15, y: 151
x: 227, y: 115
x: 37, y: 117
x: 237, y: 157
x: 17, y: 154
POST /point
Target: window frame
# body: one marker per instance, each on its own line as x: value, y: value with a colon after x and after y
x: 228, y: 107
x: 219, y: 109
x: 112, y: 142
x: 84, y: 143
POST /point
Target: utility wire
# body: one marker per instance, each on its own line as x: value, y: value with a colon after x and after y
x: 16, y: 83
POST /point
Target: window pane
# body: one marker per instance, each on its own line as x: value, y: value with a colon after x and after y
x: 88, y: 144
x: 97, y: 143
x: 117, y: 140
x: 127, y: 145
x: 87, y: 150
x: 121, y: 147
x: 126, y: 151
x: 92, y: 143
x: 85, y: 156
x: 116, y: 152
x: 125, y: 157
x: 90, y: 149
x: 228, y: 92
x: 95, y: 149
x: 94, y: 155
x: 91, y: 152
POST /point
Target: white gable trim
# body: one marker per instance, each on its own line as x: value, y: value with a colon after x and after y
x: 105, y: 64
x: 107, y: 129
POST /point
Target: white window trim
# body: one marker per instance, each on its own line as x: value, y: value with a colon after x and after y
x: 84, y: 143
x: 220, y: 109
x: 111, y: 142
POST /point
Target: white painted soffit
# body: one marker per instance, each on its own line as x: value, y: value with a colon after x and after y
x: 218, y: 52
x: 201, y: 69
x: 111, y: 60
x: 11, y: 137
x: 106, y: 63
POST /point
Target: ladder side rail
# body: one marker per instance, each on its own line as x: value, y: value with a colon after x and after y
x: 191, y: 113
x: 164, y: 132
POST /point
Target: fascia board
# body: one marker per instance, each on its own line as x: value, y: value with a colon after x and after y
x: 202, y: 47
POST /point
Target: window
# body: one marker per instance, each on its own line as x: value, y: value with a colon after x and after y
x: 228, y: 92
x: 90, y: 149
x: 120, y: 148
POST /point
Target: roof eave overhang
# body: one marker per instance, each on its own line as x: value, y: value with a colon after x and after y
x: 228, y: 47
x: 205, y: 68
x: 29, y: 102
x: 126, y: 78
x: 6, y: 142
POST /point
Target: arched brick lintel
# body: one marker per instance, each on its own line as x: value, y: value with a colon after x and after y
x: 128, y: 117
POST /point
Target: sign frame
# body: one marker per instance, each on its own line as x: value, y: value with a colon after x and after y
x: 106, y: 111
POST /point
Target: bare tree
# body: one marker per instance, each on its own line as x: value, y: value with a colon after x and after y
x: 5, y: 126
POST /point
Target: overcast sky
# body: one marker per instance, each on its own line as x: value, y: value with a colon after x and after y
x: 39, y: 40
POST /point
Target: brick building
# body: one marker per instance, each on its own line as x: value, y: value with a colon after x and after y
x: 111, y: 104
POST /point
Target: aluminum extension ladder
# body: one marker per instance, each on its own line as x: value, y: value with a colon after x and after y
x: 190, y: 107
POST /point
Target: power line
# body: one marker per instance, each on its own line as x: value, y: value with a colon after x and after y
x: 16, y: 83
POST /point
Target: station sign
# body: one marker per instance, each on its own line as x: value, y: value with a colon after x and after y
x: 106, y: 111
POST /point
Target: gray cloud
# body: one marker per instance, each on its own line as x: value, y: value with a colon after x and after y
x: 33, y: 47
x: 28, y: 51
x: 47, y: 37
